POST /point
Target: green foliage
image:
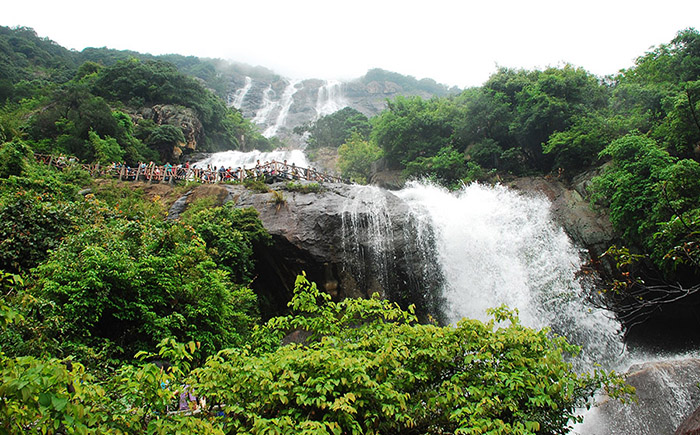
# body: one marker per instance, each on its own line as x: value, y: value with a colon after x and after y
x: 61, y: 396
x: 369, y: 367
x: 578, y: 146
x: 630, y: 185
x: 8, y: 288
x: 256, y: 185
x: 106, y: 150
x: 13, y: 117
x: 128, y: 200
x: 335, y: 129
x: 164, y: 138
x: 485, y: 153
x: 477, y: 173
x: 73, y: 113
x: 277, y: 198
x: 231, y: 235
x: 412, y: 127
x: 355, y: 158
x: 676, y: 244
x: 13, y: 158
x: 447, y: 167
x: 653, y: 200
x: 33, y: 220
x: 128, y: 284
x: 24, y: 55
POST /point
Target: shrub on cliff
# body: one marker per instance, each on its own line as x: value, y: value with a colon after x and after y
x: 123, y: 285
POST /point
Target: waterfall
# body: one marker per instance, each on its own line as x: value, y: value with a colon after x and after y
x: 387, y: 250
x: 237, y: 159
x: 330, y: 98
x: 266, y: 108
x: 496, y: 247
x: 366, y: 236
x: 239, y: 95
x: 285, y: 104
x: 490, y: 246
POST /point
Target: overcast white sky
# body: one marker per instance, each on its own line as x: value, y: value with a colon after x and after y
x: 454, y: 42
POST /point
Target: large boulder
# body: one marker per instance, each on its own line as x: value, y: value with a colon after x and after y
x: 352, y: 241
x: 691, y: 425
x: 667, y: 392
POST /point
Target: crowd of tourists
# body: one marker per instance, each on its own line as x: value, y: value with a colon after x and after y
x: 271, y: 171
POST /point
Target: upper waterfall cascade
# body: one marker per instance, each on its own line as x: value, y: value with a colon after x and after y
x: 284, y: 104
x: 330, y: 98
x: 269, y: 104
x: 236, y: 100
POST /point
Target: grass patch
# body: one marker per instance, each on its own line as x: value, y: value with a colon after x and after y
x: 256, y: 185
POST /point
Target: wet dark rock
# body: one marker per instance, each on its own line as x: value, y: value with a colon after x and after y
x: 178, y: 206
x: 345, y: 244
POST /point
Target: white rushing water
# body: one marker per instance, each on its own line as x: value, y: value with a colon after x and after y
x: 330, y: 98
x: 236, y: 159
x: 266, y: 108
x: 496, y: 247
x: 366, y: 213
x: 240, y: 94
x: 285, y: 104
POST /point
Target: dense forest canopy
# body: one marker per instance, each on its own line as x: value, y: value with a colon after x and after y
x: 408, y: 83
x: 89, y: 280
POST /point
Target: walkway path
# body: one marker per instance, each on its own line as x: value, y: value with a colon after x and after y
x: 269, y: 171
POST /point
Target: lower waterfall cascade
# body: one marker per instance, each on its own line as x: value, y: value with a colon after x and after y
x: 497, y: 246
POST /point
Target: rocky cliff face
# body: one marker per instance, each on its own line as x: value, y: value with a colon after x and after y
x: 182, y: 117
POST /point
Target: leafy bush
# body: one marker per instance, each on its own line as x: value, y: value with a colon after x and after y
x: 231, y: 234
x: 335, y: 129
x: 368, y: 367
x: 630, y: 185
x: 447, y: 167
x: 356, y: 157
x: 256, y: 185
x: 31, y: 224
x: 126, y: 285
x: 13, y: 158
